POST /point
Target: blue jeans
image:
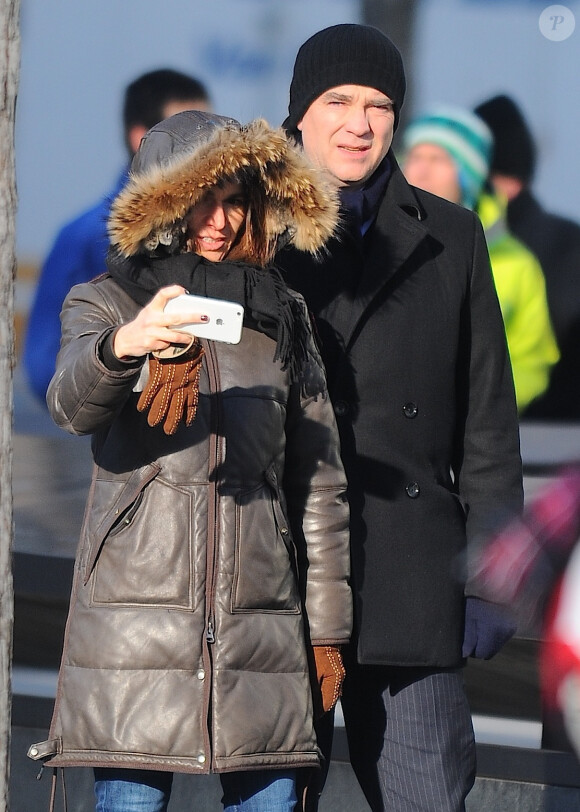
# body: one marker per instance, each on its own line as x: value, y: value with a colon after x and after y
x: 122, y: 790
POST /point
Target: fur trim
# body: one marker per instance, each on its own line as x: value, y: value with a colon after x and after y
x: 298, y: 198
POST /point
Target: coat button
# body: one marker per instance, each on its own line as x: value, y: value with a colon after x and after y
x: 201, y: 674
x: 410, y: 410
x: 341, y: 408
x: 201, y: 758
x: 413, y: 490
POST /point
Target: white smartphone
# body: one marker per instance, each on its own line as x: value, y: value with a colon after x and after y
x: 225, y: 318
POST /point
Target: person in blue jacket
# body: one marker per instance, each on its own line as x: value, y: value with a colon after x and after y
x: 79, y: 250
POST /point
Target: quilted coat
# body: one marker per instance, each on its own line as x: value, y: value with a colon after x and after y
x: 209, y: 559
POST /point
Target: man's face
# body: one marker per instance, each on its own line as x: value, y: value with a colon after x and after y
x: 348, y: 131
x: 430, y: 167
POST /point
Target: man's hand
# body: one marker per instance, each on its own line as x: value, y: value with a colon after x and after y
x: 488, y: 627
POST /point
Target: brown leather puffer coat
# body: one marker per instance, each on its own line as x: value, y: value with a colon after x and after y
x: 206, y: 559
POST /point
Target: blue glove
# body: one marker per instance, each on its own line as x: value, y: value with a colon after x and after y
x: 487, y: 628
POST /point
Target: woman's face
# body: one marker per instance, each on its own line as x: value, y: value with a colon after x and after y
x: 214, y: 222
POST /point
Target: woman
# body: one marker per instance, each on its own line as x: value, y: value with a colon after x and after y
x: 215, y: 540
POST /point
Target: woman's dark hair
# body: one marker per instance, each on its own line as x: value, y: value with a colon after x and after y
x: 252, y: 244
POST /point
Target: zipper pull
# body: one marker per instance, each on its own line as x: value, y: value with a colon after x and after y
x: 209, y: 635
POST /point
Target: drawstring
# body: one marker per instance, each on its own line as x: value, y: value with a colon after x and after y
x: 53, y: 790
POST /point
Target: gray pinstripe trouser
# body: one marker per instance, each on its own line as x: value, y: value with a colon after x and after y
x: 410, y: 737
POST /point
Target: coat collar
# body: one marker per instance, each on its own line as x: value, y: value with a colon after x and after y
x: 396, y: 233
x: 398, y: 229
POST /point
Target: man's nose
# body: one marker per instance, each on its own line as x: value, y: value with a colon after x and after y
x: 358, y: 122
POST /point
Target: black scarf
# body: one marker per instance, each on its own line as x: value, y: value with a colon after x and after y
x: 268, y: 305
x: 360, y: 206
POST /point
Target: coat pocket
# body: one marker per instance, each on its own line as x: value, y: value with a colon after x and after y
x: 265, y: 562
x: 142, y: 553
x: 109, y: 504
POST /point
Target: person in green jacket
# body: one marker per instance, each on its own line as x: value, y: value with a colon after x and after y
x: 447, y: 151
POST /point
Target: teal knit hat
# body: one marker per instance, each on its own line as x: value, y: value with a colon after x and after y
x: 465, y: 137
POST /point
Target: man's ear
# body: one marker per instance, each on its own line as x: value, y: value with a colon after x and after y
x: 134, y: 136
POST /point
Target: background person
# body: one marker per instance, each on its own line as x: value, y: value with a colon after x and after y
x: 447, y: 151
x: 555, y: 240
x: 419, y: 375
x: 214, y: 557
x: 80, y: 247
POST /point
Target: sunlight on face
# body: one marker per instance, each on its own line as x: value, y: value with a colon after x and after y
x: 213, y: 223
x: 348, y: 131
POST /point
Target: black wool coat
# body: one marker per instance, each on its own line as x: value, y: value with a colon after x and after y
x: 419, y: 375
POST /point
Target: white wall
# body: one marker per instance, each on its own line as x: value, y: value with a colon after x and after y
x: 78, y: 56
x: 469, y: 50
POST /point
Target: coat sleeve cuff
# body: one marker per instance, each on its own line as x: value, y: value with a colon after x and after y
x: 108, y: 357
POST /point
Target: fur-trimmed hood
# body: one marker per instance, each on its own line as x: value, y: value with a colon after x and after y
x: 183, y: 156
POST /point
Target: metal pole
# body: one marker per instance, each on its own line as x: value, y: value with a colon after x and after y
x: 396, y: 18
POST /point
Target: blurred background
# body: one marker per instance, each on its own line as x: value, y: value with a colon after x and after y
x: 77, y: 59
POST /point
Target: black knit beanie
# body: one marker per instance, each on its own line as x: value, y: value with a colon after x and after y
x: 346, y: 54
x: 514, y: 151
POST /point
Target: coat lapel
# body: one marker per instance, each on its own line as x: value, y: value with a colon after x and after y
x: 397, y: 232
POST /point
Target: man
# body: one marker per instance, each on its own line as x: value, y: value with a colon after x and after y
x: 447, y: 152
x: 553, y: 239
x: 79, y: 251
x: 414, y: 345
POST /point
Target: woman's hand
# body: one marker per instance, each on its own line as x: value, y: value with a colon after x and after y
x: 329, y: 676
x: 152, y: 329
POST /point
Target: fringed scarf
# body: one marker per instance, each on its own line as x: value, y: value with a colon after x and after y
x: 268, y: 305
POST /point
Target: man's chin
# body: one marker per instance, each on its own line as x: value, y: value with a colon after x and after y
x: 349, y: 175
x: 353, y: 180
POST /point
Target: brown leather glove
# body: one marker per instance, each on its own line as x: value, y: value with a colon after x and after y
x: 330, y: 675
x: 172, y: 390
